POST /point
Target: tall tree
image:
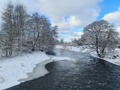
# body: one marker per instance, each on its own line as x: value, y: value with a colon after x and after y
x: 101, y: 35
x: 14, y: 24
x: 48, y: 37
x: 34, y: 28
x: 42, y: 35
x: 20, y: 25
x: 8, y: 28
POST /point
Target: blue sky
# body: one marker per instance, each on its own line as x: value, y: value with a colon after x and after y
x: 108, y: 6
x: 72, y: 16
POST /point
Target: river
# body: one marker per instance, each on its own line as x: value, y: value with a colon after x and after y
x: 86, y: 73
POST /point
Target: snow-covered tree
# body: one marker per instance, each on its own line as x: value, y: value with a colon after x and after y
x: 37, y: 27
x: 42, y: 36
x: 33, y: 30
x: 8, y: 28
x: 48, y: 37
x: 77, y: 41
x: 13, y: 26
x: 61, y: 41
x: 24, y: 32
x: 20, y: 25
x: 101, y: 35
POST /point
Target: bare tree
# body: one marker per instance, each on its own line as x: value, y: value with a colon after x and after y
x: 8, y: 28
x: 42, y: 36
x: 48, y: 37
x: 34, y: 29
x: 22, y: 30
x: 13, y: 25
x: 20, y: 25
x: 101, y: 35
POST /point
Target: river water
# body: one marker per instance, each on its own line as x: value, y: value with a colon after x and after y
x: 86, y: 73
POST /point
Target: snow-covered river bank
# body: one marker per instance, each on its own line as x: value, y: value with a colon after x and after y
x: 84, y: 49
x: 19, y: 69
x: 14, y: 69
x: 82, y: 73
x: 40, y: 69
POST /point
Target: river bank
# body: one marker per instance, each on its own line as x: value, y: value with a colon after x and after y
x: 84, y: 73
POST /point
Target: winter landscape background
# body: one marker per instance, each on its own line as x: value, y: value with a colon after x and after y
x: 73, y: 35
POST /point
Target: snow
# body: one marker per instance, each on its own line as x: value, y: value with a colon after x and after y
x: 18, y: 69
x: 85, y: 49
x: 109, y: 56
x: 13, y: 69
x: 82, y: 49
x: 40, y: 69
x: 23, y: 68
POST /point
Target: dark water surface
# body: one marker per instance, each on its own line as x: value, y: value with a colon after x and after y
x: 86, y: 73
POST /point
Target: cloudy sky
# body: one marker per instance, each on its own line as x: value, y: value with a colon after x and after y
x: 72, y: 16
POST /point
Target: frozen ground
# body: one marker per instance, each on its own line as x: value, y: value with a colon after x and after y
x: 40, y: 69
x: 13, y: 69
x: 23, y: 68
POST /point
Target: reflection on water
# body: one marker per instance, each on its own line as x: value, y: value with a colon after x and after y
x: 86, y: 73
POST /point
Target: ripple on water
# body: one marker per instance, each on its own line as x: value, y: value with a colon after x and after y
x: 85, y: 74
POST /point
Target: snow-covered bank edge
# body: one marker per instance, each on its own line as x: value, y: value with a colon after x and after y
x: 23, y: 68
x: 84, y: 49
x: 40, y: 69
x: 109, y: 58
x: 13, y: 69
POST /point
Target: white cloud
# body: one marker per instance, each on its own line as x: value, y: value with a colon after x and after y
x: 81, y: 12
x: 70, y: 24
x: 74, y: 35
x: 113, y: 17
x: 73, y: 21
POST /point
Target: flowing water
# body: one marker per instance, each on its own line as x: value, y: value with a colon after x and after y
x: 86, y: 73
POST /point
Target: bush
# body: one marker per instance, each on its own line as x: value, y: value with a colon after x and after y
x: 50, y: 52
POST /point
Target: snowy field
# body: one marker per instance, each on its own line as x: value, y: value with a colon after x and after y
x: 40, y: 69
x: 18, y: 69
x: 13, y: 69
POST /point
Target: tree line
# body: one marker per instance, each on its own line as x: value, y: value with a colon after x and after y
x: 21, y: 32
